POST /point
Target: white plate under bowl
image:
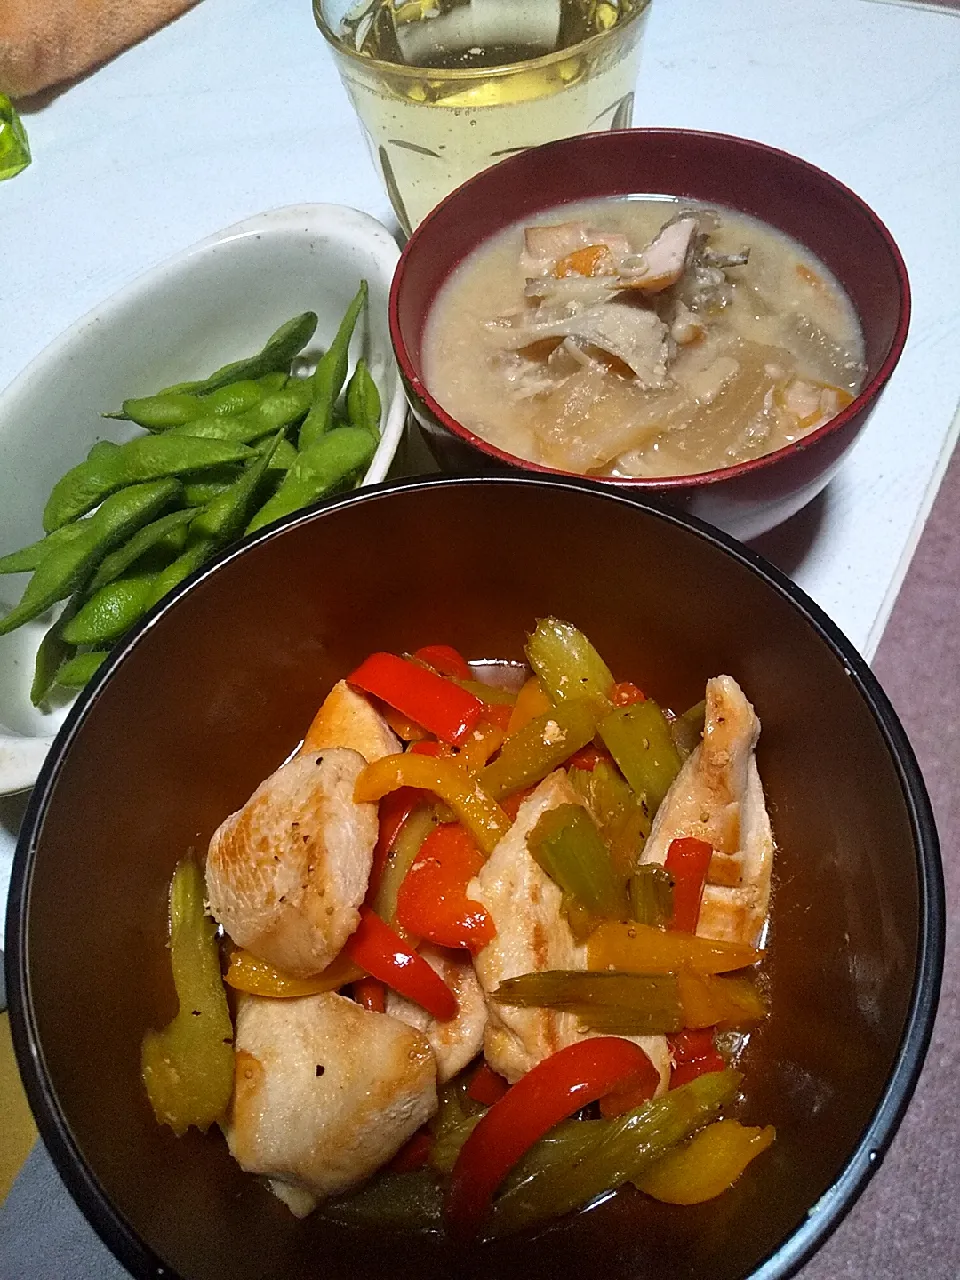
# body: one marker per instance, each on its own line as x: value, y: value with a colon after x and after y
x: 215, y: 302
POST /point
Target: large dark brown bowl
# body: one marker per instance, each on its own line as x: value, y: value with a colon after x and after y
x: 782, y: 190
x: 218, y: 686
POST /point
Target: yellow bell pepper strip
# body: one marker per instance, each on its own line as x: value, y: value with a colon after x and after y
x: 442, y: 707
x: 531, y: 702
x: 582, y: 1160
x: 382, y: 953
x: 543, y: 744
x: 188, y: 1066
x: 483, y: 743
x: 651, y: 896
x: 568, y: 665
x: 489, y: 694
x: 257, y: 977
x: 551, y: 1091
x: 639, y: 739
x: 643, y: 949
x: 616, y: 1004
x: 466, y: 796
x: 709, y: 1001
x: 707, y: 1165
x: 568, y: 847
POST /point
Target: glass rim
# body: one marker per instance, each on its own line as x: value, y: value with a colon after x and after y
x: 410, y: 71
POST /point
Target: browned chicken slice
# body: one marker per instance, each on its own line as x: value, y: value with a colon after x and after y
x: 458, y: 1040
x: 287, y: 873
x: 532, y: 936
x: 718, y: 797
x: 326, y: 1093
x: 348, y: 719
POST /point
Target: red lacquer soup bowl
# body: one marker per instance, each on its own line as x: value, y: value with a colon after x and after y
x: 746, y: 498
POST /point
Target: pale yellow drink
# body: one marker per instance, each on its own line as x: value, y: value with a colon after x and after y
x: 492, y: 77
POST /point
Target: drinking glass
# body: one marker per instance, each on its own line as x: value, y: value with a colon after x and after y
x: 445, y: 88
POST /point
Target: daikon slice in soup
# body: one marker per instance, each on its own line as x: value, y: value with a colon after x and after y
x: 642, y: 337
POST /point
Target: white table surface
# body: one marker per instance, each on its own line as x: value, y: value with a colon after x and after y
x: 236, y: 108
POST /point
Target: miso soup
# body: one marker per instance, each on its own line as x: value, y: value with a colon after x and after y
x: 642, y: 337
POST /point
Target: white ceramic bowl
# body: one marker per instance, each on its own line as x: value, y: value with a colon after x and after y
x: 216, y: 301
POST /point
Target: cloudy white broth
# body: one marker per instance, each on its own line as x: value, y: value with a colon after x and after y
x: 642, y: 337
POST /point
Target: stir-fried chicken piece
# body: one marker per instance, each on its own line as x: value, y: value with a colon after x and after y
x: 287, y: 873
x: 718, y: 797
x: 532, y: 936
x: 458, y: 1040
x: 348, y: 719
x: 632, y: 335
x: 326, y: 1093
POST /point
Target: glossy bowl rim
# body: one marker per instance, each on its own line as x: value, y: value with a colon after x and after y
x: 865, y: 398
x: 822, y: 1218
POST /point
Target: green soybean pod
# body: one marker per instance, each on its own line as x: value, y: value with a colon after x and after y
x: 271, y: 382
x: 52, y: 652
x: 337, y: 458
x: 158, y: 413
x: 28, y: 558
x: 330, y: 374
x: 363, y: 400
x: 117, y: 562
x: 78, y: 671
x: 63, y: 571
x: 223, y: 518
x: 281, y: 409
x: 275, y: 357
x: 144, y: 459
x: 111, y: 610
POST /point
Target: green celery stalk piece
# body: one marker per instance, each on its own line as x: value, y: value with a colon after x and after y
x: 568, y: 665
x: 615, y: 1003
x: 394, y: 1201
x: 188, y: 1066
x: 687, y: 730
x: 539, y: 747
x: 14, y: 146
x: 639, y: 739
x: 576, y: 1167
x: 569, y: 848
x: 651, y: 895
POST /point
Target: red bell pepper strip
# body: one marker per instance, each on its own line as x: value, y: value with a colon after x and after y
x: 486, y: 1085
x: 414, y: 1154
x: 371, y: 994
x: 395, y: 808
x: 554, y: 1089
x: 374, y: 946
x: 588, y: 757
x: 625, y: 694
x: 688, y: 861
x: 633, y: 1094
x: 432, y: 902
x: 445, y: 660
x: 694, y: 1054
x: 438, y: 704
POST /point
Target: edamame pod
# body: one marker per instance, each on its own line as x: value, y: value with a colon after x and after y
x: 317, y: 472
x: 330, y: 375
x: 115, y: 608
x: 28, y: 558
x: 363, y: 400
x: 60, y: 573
x: 275, y: 357
x: 224, y: 518
x: 120, y: 560
x: 78, y: 671
x: 281, y: 409
x: 144, y: 459
x: 52, y: 652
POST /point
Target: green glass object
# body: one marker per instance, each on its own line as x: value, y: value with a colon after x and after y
x: 14, y: 147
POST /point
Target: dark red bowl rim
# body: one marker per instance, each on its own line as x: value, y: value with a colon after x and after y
x: 861, y: 401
